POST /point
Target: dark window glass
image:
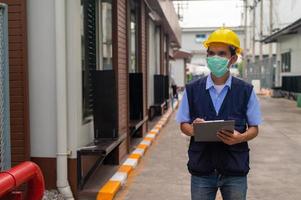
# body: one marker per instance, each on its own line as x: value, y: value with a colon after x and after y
x: 286, y: 62
x: 96, y: 40
x: 133, y: 67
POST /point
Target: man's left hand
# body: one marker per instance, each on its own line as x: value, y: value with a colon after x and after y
x: 229, y: 137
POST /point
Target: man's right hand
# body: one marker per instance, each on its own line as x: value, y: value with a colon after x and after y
x: 198, y: 120
x: 187, y: 128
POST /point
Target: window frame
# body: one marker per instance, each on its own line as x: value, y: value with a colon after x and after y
x: 134, y: 5
x: 286, y: 58
x: 87, y: 112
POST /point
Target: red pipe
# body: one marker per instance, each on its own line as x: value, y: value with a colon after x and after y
x: 25, y: 172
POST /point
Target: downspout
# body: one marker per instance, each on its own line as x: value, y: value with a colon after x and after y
x: 61, y: 100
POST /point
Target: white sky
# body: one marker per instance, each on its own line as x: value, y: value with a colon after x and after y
x: 212, y: 13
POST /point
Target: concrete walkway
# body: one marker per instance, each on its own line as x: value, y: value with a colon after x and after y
x: 275, y: 160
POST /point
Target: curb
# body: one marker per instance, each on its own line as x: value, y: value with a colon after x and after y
x: 115, y: 183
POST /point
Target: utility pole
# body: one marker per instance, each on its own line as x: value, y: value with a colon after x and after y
x: 261, y: 30
x: 271, y: 29
x: 253, y: 30
x: 275, y: 75
x: 245, y: 56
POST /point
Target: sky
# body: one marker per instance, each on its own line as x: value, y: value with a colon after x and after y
x: 212, y: 13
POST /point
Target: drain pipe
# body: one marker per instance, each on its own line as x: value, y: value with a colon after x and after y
x: 61, y: 100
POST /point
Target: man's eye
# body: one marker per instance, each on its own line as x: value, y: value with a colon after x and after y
x: 211, y: 53
x: 221, y: 53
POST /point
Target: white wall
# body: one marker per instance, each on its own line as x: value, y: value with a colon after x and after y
x: 178, y: 72
x: 189, y: 43
x: 42, y: 80
x: 152, y: 62
x: 291, y: 43
x: 157, y: 48
x: 41, y: 64
x: 78, y: 134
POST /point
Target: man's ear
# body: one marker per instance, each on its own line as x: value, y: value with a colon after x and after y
x: 233, y: 60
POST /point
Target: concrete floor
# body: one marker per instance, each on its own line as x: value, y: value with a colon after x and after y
x: 276, y: 153
x: 104, y: 172
x: 275, y: 160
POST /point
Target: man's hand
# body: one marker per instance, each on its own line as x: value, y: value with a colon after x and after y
x: 187, y: 128
x: 230, y: 138
x: 198, y: 120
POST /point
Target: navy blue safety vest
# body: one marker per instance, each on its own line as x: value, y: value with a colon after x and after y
x: 206, y: 157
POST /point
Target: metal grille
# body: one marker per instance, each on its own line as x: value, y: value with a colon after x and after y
x: 263, y: 70
x: 5, y: 156
x: 89, y: 7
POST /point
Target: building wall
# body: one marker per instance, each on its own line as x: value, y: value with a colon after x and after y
x: 42, y: 79
x: 120, y: 62
x: 18, y: 80
x: 161, y: 44
x: 80, y: 133
x: 158, y: 50
x: 142, y: 58
x: 189, y: 42
x: 42, y: 84
x: 152, y: 61
x: 41, y: 58
x: 291, y: 43
x: 178, y: 72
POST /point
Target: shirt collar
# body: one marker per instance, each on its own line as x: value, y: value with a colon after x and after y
x: 210, y: 83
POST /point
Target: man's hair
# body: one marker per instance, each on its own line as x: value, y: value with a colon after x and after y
x: 232, y: 50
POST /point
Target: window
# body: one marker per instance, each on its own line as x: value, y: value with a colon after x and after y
x: 133, y: 67
x: 96, y: 40
x: 200, y: 38
x: 104, y: 35
x: 286, y: 62
x: 166, y: 54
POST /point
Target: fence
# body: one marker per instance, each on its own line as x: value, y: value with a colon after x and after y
x: 5, y: 159
x: 263, y: 70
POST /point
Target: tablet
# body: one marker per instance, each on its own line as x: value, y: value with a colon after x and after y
x: 206, y: 131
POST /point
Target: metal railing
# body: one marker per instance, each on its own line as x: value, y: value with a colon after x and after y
x: 5, y: 155
x: 12, y: 179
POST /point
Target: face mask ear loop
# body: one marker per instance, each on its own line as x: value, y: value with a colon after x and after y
x: 229, y: 66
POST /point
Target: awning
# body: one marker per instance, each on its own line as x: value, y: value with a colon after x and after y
x: 180, y: 54
x: 290, y: 29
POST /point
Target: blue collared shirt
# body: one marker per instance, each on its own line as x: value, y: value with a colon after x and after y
x: 253, y: 110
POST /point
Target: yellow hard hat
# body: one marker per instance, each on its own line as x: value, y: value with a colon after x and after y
x: 226, y: 36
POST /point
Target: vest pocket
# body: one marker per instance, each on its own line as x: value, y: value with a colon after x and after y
x: 199, y: 158
x: 236, y: 159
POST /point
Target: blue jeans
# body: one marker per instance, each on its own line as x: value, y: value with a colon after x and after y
x: 231, y: 187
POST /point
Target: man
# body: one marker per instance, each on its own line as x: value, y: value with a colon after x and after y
x: 174, y: 87
x: 220, y: 165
